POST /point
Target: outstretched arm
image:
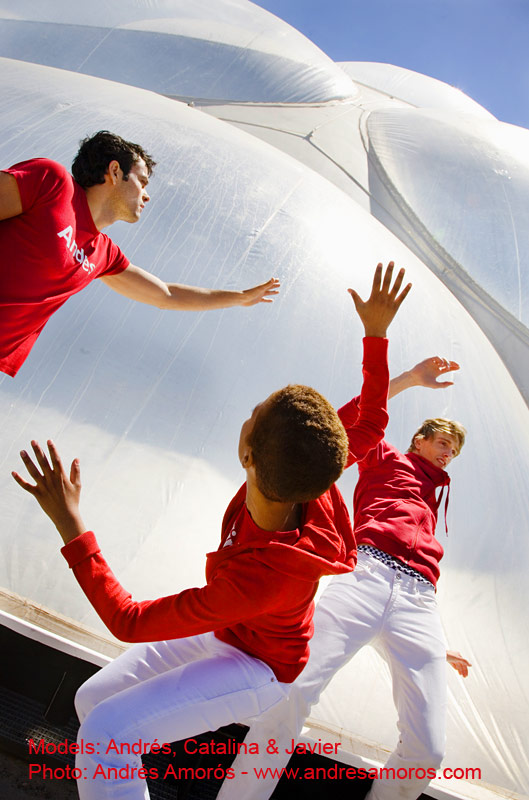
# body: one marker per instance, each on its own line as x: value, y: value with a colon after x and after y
x: 234, y: 593
x: 365, y: 417
x: 138, y: 284
x: 457, y: 661
x: 425, y: 373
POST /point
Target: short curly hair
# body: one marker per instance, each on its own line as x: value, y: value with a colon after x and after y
x: 299, y: 445
x: 435, y: 425
x: 96, y: 152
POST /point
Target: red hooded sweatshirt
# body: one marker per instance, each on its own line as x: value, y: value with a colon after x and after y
x: 395, y: 503
x: 260, y: 584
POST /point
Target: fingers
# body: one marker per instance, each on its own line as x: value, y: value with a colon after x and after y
x: 48, y: 472
x: 75, y: 473
x: 75, y: 469
x: 444, y: 364
x: 377, y: 278
x: 24, y: 484
x: 398, y: 282
x: 271, y: 286
x: 440, y: 366
x: 357, y: 300
x: 41, y: 458
x: 381, y: 283
x: 55, y: 457
x: 274, y: 289
x: 386, y: 283
x: 382, y: 286
x: 263, y: 293
x: 459, y: 663
x: 379, y: 310
x: 404, y: 293
x: 30, y: 466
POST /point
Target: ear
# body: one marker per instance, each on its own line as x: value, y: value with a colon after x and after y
x: 247, y: 458
x: 113, y: 172
x: 417, y: 442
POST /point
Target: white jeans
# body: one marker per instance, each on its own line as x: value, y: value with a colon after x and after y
x: 398, y: 615
x: 165, y: 691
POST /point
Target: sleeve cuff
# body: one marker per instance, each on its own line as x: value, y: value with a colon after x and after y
x: 81, y: 547
x: 375, y: 347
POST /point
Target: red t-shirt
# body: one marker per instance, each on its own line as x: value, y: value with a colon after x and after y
x: 49, y: 252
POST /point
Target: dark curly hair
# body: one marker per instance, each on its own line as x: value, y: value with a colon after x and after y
x: 97, y: 151
x: 299, y: 445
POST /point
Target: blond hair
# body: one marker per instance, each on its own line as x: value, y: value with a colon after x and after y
x: 430, y: 427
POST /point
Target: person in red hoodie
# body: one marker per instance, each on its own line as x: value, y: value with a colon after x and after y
x: 52, y: 245
x: 230, y: 650
x: 388, y: 602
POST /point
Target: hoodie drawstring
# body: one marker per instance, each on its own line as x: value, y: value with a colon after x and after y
x: 439, y: 501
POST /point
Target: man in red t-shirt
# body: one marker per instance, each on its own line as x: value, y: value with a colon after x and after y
x: 231, y: 649
x: 51, y: 243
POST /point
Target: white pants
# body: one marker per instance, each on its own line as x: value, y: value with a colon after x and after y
x: 165, y: 691
x: 398, y: 615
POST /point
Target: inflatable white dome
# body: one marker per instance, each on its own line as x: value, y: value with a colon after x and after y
x: 287, y: 165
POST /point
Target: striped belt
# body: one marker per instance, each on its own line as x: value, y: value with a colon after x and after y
x: 392, y: 562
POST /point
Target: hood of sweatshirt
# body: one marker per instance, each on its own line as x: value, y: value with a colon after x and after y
x: 324, y: 544
x: 437, y: 477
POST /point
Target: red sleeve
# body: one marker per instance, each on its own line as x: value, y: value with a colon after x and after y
x: 365, y: 417
x: 38, y: 180
x: 238, y: 591
x: 117, y: 261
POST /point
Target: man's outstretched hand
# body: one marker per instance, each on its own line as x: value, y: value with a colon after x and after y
x: 378, y: 311
x: 56, y: 492
x: 426, y: 372
x: 264, y: 293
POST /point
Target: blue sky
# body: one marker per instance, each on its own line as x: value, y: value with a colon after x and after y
x: 480, y: 46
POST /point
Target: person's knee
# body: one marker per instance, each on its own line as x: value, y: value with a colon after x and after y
x: 85, y: 700
x: 88, y: 732
x: 97, y: 724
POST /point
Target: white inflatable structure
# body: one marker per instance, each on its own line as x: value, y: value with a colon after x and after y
x: 290, y: 165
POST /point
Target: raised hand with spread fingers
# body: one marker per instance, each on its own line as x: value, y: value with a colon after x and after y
x: 378, y: 311
x: 56, y: 492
